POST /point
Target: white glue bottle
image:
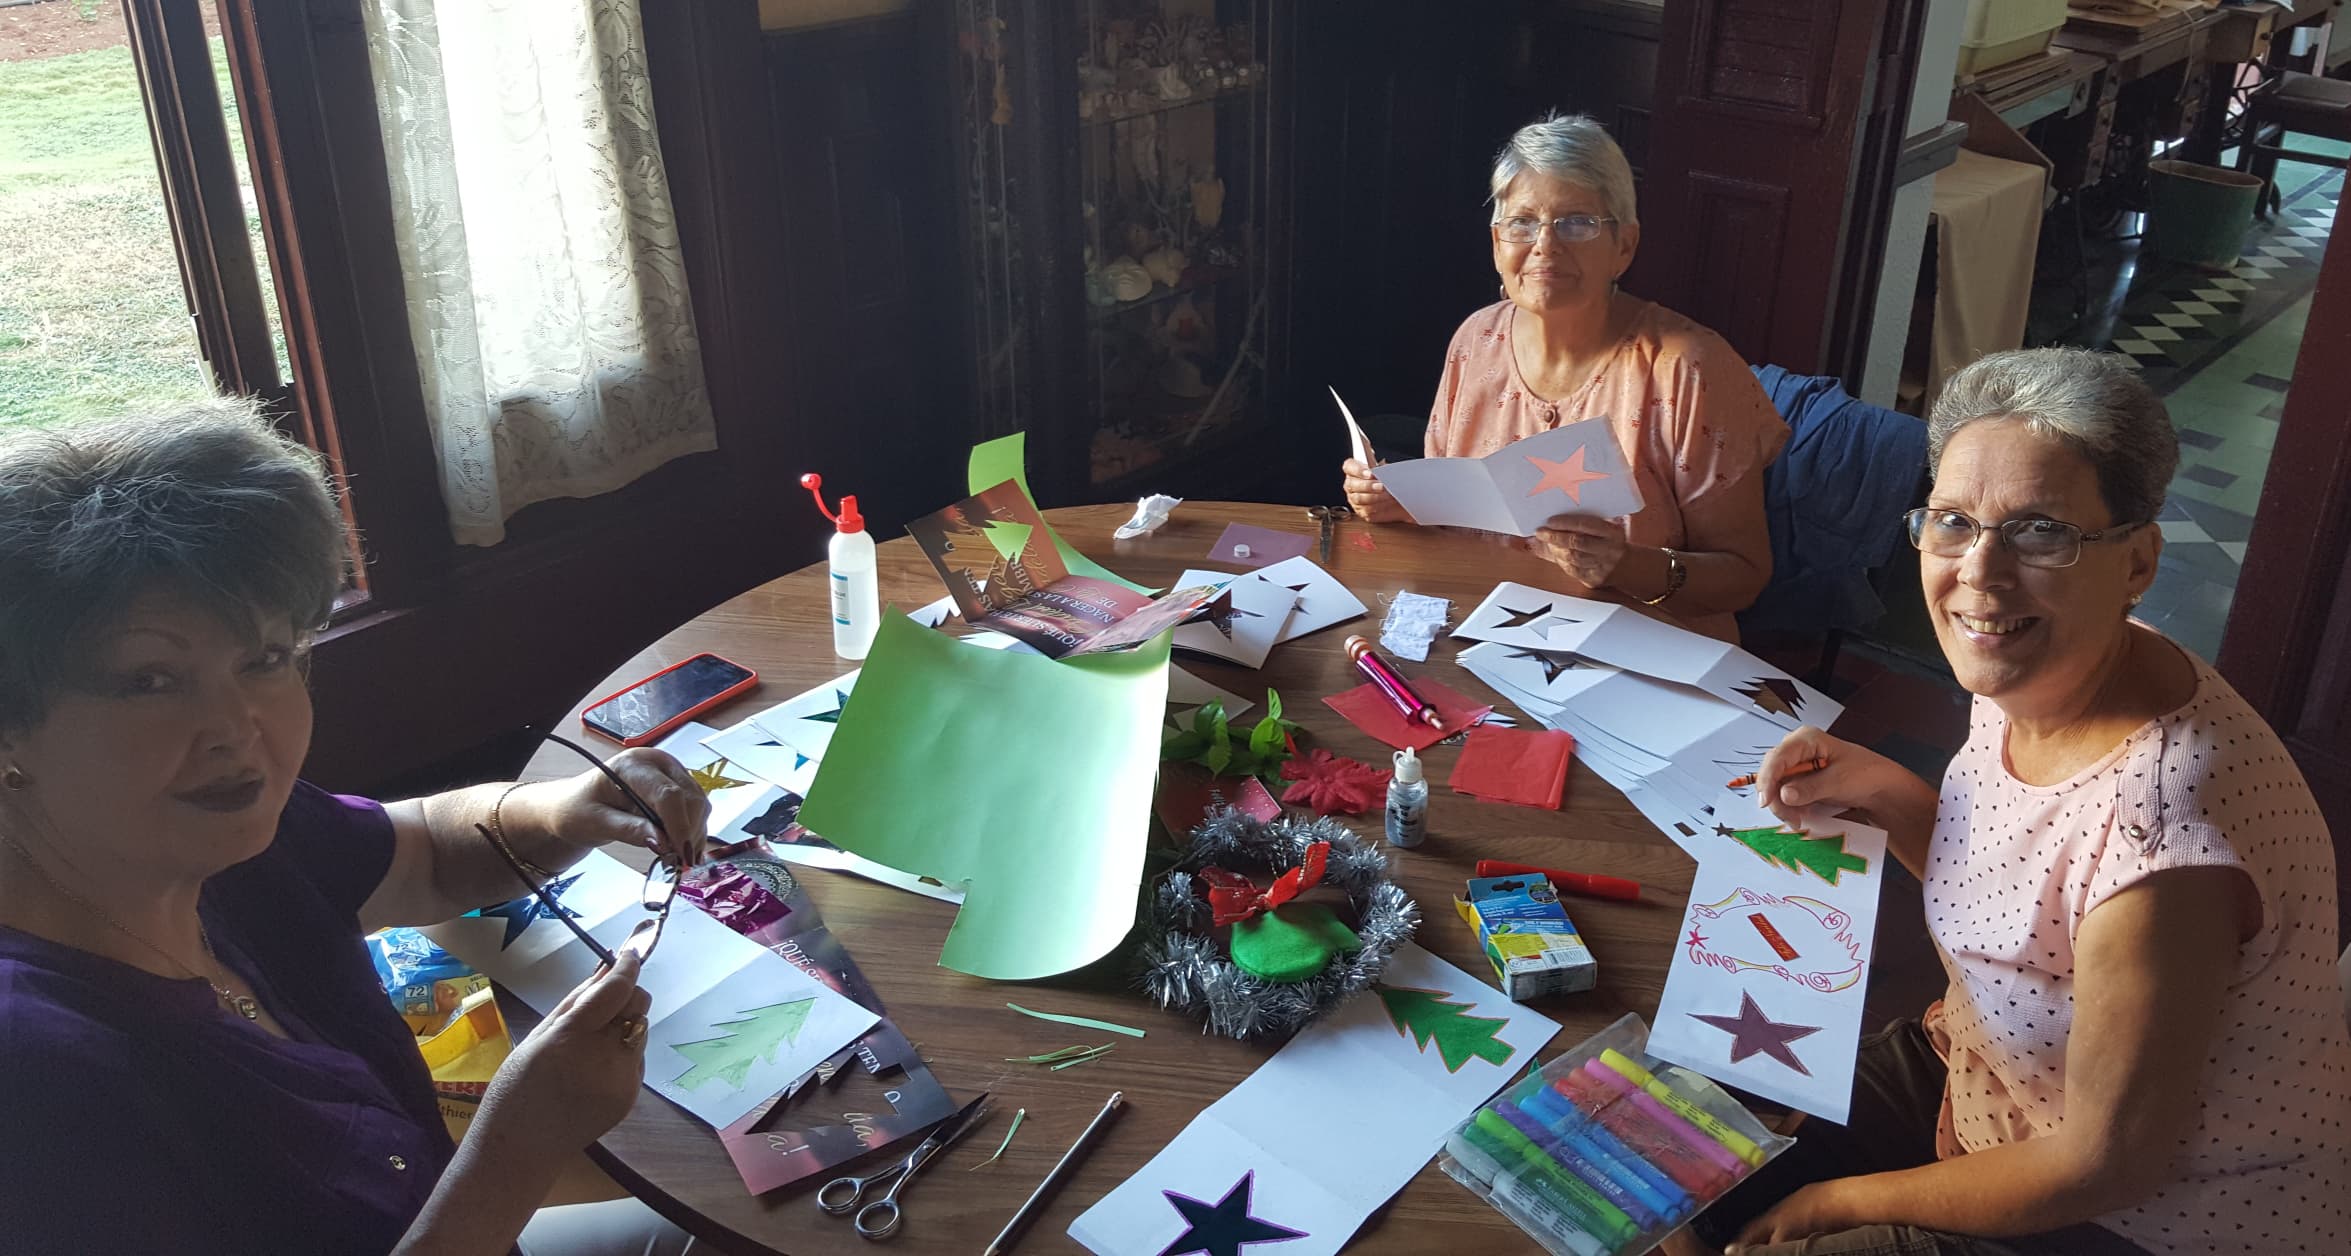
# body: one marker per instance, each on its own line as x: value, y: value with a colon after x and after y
x: 857, y: 604
x: 1408, y: 802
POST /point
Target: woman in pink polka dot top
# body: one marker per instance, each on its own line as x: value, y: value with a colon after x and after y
x: 2143, y: 1045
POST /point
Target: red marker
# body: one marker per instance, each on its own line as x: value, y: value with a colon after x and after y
x: 1385, y: 679
x: 1569, y: 882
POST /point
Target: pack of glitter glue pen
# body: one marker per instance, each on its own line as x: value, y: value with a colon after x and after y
x: 1605, y: 1150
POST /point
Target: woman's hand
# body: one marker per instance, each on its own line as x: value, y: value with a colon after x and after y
x: 1589, y: 550
x: 1369, y: 498
x: 1883, y: 793
x: 577, y: 1074
x: 588, y: 810
x: 1814, y: 1209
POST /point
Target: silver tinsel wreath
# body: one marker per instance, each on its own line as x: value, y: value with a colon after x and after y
x: 1183, y: 967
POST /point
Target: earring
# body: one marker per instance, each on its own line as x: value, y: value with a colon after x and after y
x: 14, y: 778
x: 2137, y: 598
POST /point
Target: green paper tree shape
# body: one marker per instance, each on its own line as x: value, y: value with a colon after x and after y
x: 1429, y: 1016
x: 753, y: 1036
x: 1824, y: 856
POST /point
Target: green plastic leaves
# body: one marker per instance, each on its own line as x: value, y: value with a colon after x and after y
x: 1209, y: 742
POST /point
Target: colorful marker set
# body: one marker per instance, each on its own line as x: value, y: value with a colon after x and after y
x: 1594, y: 1155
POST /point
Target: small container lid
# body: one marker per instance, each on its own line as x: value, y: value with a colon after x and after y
x: 1407, y: 767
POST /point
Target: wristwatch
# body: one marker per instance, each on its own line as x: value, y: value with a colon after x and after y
x: 1676, y: 572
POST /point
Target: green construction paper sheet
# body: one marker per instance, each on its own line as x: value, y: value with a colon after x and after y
x: 1026, y: 779
x: 1006, y: 458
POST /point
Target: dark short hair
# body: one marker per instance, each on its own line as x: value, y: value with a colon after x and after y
x: 208, y: 503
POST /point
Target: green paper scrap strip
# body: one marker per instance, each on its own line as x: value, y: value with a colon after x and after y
x: 1017, y: 1118
x: 1081, y: 1022
x: 1064, y: 1058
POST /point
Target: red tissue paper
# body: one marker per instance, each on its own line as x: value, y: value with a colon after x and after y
x: 1330, y: 785
x: 1368, y: 709
x: 1523, y: 766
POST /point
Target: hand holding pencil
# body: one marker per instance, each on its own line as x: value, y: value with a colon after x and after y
x: 1812, y: 772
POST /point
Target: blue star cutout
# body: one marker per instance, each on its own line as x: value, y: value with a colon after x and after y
x: 519, y: 914
x: 1224, y: 1227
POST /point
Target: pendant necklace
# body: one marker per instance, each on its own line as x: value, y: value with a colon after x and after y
x: 230, y: 1001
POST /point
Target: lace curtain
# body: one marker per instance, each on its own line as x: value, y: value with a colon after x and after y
x: 546, y: 291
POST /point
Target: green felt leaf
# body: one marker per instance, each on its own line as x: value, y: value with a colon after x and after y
x: 1428, y: 1016
x: 1824, y: 856
x: 1291, y: 943
x: 750, y: 1038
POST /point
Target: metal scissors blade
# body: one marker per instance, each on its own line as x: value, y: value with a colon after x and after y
x: 879, y: 1219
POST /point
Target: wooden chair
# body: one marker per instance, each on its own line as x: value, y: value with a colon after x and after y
x: 2293, y: 103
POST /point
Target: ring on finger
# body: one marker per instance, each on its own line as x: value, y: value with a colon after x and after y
x: 632, y: 1030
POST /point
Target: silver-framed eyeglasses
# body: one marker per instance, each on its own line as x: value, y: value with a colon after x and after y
x: 1572, y: 229
x: 1947, y: 533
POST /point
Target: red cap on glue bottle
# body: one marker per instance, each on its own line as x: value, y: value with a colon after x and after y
x: 846, y: 521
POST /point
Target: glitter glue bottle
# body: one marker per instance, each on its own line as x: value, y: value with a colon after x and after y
x: 857, y: 605
x: 1408, y: 802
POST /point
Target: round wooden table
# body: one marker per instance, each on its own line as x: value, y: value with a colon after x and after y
x: 782, y: 629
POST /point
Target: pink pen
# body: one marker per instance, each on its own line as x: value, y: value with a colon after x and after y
x: 1385, y: 679
x: 1696, y: 1138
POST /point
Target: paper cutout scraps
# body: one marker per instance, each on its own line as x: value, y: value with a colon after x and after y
x: 1358, y: 444
x: 1427, y: 1016
x: 745, y: 1041
x: 1823, y: 856
x: 1026, y: 780
x: 833, y: 715
x: 839, y: 1113
x: 1025, y: 590
x: 1266, y: 546
x: 1006, y: 458
x: 1553, y: 662
x: 1327, y: 1069
x: 1226, y: 1226
x: 1369, y: 709
x: 1754, y: 1033
x: 1575, y: 469
x: 1242, y: 624
x: 1775, y: 695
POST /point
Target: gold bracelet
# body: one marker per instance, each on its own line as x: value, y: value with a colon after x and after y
x: 1676, y: 573
x: 497, y: 832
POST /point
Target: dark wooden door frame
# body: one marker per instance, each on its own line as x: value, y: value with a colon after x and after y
x: 2287, y: 647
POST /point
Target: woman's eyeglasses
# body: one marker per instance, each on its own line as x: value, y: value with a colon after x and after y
x: 1573, y: 229
x: 2035, y: 542
x: 655, y: 896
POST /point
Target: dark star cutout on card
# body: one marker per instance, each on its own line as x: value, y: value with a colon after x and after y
x: 1753, y: 1033
x: 1553, y: 661
x: 1224, y: 1227
x: 1521, y: 619
x: 1222, y: 612
x: 840, y: 699
x: 1775, y: 694
x: 519, y: 913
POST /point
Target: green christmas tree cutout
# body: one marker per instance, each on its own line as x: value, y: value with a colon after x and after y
x: 1824, y: 856
x: 1428, y: 1016
x: 753, y: 1036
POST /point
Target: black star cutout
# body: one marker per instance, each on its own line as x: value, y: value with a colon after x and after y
x: 1222, y: 612
x: 1553, y: 661
x: 519, y: 914
x: 1224, y: 1227
x: 1753, y: 1033
x: 1775, y: 694
x: 1523, y: 617
x: 1724, y: 830
x: 840, y: 699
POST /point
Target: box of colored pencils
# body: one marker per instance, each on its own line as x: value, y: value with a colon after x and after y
x: 1527, y: 936
x: 1605, y: 1150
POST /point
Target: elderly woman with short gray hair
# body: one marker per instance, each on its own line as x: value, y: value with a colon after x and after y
x: 195, y: 1055
x: 2141, y: 1046
x: 1565, y: 344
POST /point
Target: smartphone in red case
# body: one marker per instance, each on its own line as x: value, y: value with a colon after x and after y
x: 653, y: 708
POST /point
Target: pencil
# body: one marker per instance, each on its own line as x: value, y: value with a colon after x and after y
x: 1036, y: 1203
x: 1806, y: 768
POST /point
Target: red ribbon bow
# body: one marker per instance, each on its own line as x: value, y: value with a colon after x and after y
x: 1235, y: 898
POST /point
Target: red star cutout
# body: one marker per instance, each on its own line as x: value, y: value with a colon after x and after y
x: 1568, y: 477
x: 1330, y: 785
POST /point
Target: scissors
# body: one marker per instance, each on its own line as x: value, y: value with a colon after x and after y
x: 1328, y: 517
x: 879, y: 1219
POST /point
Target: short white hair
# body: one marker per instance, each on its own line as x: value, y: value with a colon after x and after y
x: 1575, y: 149
x: 2094, y: 402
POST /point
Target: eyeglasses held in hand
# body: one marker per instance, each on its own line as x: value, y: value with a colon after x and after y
x: 655, y: 896
x: 1948, y: 533
x: 1573, y: 229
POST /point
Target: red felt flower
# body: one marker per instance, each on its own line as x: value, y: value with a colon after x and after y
x: 1330, y: 785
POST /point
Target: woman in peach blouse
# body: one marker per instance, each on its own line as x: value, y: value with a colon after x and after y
x: 1567, y: 345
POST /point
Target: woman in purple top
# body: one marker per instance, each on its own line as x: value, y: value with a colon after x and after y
x: 195, y: 1056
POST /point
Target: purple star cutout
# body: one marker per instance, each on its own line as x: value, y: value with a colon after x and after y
x: 1753, y: 1033
x: 1226, y: 1226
